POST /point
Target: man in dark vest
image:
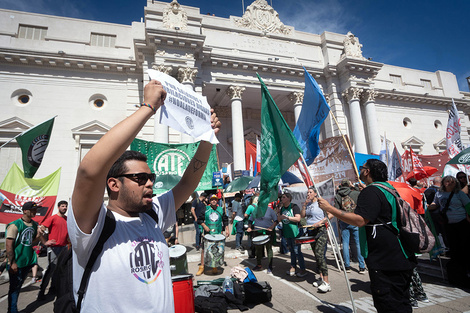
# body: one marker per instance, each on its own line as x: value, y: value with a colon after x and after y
x: 390, y: 266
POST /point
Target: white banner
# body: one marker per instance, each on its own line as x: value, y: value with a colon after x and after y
x: 185, y: 110
x: 453, y: 142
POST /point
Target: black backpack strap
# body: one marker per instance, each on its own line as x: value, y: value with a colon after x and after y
x: 108, y: 229
x: 153, y: 215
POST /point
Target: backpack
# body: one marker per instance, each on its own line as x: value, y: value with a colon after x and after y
x: 65, y: 302
x: 413, y: 232
x: 348, y: 204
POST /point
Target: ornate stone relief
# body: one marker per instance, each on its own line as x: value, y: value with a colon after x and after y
x: 187, y: 74
x: 369, y: 95
x: 261, y: 16
x: 352, y: 47
x: 297, y: 97
x: 235, y: 92
x: 174, y: 16
x: 162, y: 68
x: 352, y: 93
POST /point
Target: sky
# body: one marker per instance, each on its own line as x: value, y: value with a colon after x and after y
x: 427, y: 35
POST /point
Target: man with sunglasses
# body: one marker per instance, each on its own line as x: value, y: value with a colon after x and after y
x: 390, y: 267
x: 132, y: 273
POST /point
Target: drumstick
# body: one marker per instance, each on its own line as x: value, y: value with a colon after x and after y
x: 308, y: 226
x: 262, y: 228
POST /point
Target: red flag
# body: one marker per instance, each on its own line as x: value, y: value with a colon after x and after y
x: 302, y: 167
x: 250, y: 153
x: 418, y: 170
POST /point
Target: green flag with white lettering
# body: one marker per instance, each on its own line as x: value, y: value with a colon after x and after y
x: 33, y: 144
x: 169, y: 161
x: 279, y: 149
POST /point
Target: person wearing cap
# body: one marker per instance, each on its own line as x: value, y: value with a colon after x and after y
x: 22, y: 235
x: 136, y: 256
x: 345, y: 200
x: 198, y: 205
x: 213, y: 220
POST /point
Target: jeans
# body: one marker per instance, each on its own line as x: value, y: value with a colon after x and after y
x: 346, y: 231
x: 198, y: 234
x: 16, y: 281
x: 239, y: 235
x: 52, y: 254
x: 295, y: 253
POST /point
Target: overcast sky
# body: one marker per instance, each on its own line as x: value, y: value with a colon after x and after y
x: 425, y: 35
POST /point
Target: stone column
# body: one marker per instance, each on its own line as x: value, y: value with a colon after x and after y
x: 298, y: 98
x: 186, y: 76
x: 238, y: 143
x: 371, y: 120
x: 161, y: 131
x: 353, y: 95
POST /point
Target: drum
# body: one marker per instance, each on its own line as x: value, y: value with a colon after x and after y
x: 260, y: 240
x: 183, y: 294
x: 178, y: 260
x: 214, y: 250
x: 306, y: 239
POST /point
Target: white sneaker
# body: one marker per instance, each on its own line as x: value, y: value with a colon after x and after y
x: 324, y: 287
x: 317, y: 283
x: 33, y: 280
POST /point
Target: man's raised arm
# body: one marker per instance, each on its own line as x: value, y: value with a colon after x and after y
x: 193, y: 173
x: 91, y: 175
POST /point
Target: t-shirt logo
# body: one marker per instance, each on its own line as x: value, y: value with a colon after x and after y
x: 27, y: 236
x: 146, y: 261
x: 214, y: 217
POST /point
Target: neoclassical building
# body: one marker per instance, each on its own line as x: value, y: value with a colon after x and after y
x: 91, y: 75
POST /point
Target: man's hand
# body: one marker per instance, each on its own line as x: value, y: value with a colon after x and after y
x: 215, y: 123
x: 154, y: 94
x: 14, y: 268
x: 207, y: 229
x: 324, y: 205
x: 51, y: 242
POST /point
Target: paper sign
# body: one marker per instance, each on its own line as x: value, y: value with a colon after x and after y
x: 184, y: 109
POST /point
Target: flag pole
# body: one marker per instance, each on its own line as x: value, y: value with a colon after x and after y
x: 386, y: 147
x: 25, y: 132
x: 333, y: 239
x: 347, y: 145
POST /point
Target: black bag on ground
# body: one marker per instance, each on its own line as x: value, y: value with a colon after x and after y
x: 256, y: 293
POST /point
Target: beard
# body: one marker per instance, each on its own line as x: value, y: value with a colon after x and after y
x: 133, y: 202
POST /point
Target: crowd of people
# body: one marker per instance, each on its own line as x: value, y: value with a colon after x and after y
x: 136, y: 254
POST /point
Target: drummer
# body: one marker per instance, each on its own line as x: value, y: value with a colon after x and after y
x: 316, y: 227
x: 264, y: 226
x: 213, y: 220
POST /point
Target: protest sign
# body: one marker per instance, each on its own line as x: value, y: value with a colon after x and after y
x: 184, y: 109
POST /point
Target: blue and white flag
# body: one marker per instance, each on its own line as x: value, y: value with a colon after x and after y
x: 314, y: 112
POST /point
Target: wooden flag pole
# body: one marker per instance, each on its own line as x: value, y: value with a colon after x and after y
x: 347, y: 145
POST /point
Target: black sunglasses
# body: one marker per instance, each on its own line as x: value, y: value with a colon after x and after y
x: 140, y: 178
x: 363, y: 168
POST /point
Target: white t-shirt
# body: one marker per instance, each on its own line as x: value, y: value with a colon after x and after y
x: 132, y: 274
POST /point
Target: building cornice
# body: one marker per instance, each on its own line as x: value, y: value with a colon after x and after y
x: 65, y: 60
x: 426, y: 98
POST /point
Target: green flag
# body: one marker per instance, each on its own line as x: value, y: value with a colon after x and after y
x: 279, y: 149
x: 169, y: 161
x: 33, y: 144
x: 461, y: 158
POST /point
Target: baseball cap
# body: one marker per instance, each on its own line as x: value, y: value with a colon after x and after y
x: 214, y: 197
x: 345, y: 182
x: 203, y: 194
x: 30, y: 205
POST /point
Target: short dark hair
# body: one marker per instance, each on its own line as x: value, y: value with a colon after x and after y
x: 119, y: 167
x: 413, y: 181
x: 62, y: 202
x: 378, y: 170
x: 288, y: 195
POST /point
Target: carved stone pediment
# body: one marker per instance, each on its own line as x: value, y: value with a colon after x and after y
x: 352, y: 47
x: 261, y: 16
x: 12, y: 127
x: 415, y: 143
x: 175, y: 17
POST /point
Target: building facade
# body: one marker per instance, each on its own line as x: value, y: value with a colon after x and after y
x: 91, y: 75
